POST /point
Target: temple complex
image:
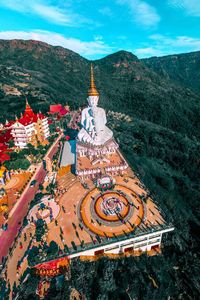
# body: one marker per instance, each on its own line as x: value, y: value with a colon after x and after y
x: 96, y: 204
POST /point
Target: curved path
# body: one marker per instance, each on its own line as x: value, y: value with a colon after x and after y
x: 124, y: 211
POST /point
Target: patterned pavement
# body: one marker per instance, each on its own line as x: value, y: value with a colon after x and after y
x: 124, y: 211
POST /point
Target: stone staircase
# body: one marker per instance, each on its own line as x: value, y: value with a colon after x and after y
x: 66, y: 181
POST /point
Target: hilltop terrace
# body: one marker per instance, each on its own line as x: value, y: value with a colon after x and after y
x: 91, y: 222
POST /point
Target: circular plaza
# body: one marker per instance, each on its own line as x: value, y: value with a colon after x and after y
x: 111, y: 213
x: 46, y: 210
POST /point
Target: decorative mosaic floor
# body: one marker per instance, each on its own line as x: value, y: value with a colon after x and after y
x: 111, y: 213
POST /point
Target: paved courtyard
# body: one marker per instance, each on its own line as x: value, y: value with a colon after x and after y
x: 84, y: 213
x: 80, y: 214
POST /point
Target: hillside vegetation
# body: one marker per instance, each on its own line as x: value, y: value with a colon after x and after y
x: 184, y: 69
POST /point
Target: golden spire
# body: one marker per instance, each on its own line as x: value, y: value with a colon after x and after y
x: 27, y: 104
x: 92, y: 90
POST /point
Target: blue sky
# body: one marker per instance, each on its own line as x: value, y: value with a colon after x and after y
x: 97, y: 28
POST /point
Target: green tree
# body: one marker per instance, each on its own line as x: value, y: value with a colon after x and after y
x: 11, y: 143
x: 32, y: 255
x: 31, y: 149
x: 40, y: 229
x: 17, y: 164
x: 53, y: 248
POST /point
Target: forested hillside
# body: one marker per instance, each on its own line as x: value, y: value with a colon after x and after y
x: 183, y: 69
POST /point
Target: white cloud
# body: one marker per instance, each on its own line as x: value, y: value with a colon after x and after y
x: 52, y: 14
x: 87, y: 49
x: 143, y: 13
x: 161, y: 45
x: 148, y: 52
x: 192, y: 7
x: 44, y: 9
x: 177, y: 42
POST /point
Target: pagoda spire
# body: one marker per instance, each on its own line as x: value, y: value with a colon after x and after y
x: 27, y: 104
x: 92, y: 90
x: 28, y: 109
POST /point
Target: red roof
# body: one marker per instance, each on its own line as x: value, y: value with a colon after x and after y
x: 41, y: 116
x: 55, y: 108
x: 5, y: 136
x: 3, y: 147
x: 63, y: 111
x: 9, y: 124
x: 53, y: 264
x: 4, y: 157
x: 59, y: 109
x: 29, y: 116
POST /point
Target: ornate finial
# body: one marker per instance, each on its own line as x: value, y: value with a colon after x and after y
x: 16, y: 118
x: 92, y: 90
x: 28, y: 109
x: 27, y: 104
x: 21, y: 115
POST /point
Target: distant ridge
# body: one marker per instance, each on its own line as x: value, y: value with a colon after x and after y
x: 181, y: 68
x: 53, y: 74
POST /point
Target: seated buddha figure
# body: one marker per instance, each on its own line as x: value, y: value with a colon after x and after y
x: 93, y: 120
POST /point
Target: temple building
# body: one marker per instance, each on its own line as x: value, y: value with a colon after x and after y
x: 30, y: 128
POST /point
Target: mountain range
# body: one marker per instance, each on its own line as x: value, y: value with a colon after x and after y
x: 144, y: 89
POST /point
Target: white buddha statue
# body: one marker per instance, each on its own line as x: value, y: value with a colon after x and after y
x: 93, y: 119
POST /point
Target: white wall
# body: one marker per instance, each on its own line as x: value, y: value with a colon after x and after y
x: 144, y: 242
